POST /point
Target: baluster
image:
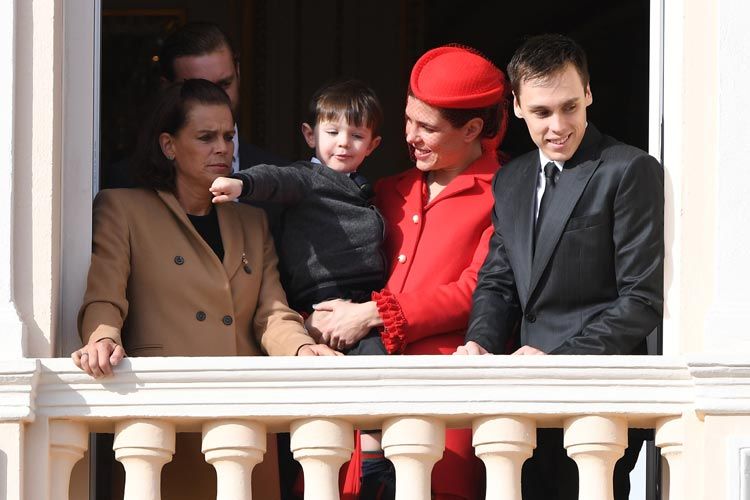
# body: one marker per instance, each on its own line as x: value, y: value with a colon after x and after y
x: 670, y: 437
x: 322, y: 446
x: 595, y: 443
x: 504, y: 444
x: 414, y: 445
x: 143, y: 447
x: 68, y: 443
x: 234, y: 448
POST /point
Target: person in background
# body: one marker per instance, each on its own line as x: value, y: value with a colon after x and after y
x: 200, y: 50
x: 330, y: 241
x: 438, y: 227
x: 577, y: 255
x: 174, y: 275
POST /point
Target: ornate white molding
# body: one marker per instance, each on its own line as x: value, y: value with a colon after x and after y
x: 277, y: 390
x: 738, y: 468
x: 722, y: 384
x: 18, y: 384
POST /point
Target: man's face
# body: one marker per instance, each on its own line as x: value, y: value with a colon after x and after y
x: 217, y: 67
x: 555, y: 112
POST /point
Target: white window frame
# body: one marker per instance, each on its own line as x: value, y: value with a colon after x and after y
x: 80, y: 173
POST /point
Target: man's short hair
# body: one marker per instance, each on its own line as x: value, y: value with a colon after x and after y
x: 543, y: 57
x: 350, y: 99
x: 192, y: 39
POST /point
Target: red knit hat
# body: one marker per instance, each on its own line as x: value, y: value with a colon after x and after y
x: 457, y: 77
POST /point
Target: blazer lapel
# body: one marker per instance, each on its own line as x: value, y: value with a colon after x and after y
x: 520, y: 224
x: 232, y: 238
x: 569, y: 188
x: 174, y: 206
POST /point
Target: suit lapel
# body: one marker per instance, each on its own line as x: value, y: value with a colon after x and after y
x: 232, y: 237
x: 569, y: 188
x: 174, y: 206
x: 520, y: 224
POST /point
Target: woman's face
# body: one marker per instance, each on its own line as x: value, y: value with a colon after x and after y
x: 434, y: 143
x: 202, y: 149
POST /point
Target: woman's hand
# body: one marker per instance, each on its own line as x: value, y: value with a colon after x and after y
x: 225, y: 189
x: 341, y: 323
x: 98, y: 358
x: 317, y: 350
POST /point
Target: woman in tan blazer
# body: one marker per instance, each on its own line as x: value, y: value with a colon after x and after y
x: 173, y: 275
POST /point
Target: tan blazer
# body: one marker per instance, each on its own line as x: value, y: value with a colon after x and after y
x: 152, y: 271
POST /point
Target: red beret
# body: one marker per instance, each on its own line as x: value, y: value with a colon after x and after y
x: 457, y: 77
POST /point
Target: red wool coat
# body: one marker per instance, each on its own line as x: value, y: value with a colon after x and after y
x: 435, y: 251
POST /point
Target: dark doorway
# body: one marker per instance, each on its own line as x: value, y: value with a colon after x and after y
x: 288, y: 48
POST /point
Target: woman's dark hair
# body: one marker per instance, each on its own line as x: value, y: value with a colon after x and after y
x: 150, y: 167
x: 495, y: 118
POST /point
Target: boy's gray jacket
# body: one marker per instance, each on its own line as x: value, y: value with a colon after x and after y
x: 331, y: 235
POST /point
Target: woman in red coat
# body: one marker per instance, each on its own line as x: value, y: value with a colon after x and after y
x: 437, y: 234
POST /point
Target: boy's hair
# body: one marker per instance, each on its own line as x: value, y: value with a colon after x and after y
x: 543, y: 56
x: 192, y: 39
x: 350, y: 99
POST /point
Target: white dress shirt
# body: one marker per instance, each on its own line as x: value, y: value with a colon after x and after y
x: 236, y: 156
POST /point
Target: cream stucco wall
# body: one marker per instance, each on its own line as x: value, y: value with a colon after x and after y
x: 37, y: 172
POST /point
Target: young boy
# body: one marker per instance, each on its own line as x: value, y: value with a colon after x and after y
x: 331, y: 235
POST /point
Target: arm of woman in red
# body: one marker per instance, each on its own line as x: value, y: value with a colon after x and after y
x: 411, y: 316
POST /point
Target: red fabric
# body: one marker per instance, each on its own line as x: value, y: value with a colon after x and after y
x: 431, y: 289
x: 394, y: 324
x: 457, y: 77
x: 442, y: 252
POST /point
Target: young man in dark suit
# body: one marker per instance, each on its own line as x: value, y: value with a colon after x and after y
x: 576, y: 259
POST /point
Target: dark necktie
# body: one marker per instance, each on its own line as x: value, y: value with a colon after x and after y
x: 550, y: 172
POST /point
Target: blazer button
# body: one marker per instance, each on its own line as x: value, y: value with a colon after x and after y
x: 227, y: 320
x: 530, y: 317
x: 200, y: 316
x: 179, y: 260
x: 415, y: 219
x: 402, y: 258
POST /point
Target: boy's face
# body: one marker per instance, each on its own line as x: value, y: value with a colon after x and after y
x: 339, y: 145
x: 555, y: 112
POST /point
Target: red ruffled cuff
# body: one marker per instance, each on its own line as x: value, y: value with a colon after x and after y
x: 393, y: 333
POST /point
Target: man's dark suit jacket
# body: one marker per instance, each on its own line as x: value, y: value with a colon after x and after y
x: 594, y: 284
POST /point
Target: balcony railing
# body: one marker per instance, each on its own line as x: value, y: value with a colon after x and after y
x: 234, y: 402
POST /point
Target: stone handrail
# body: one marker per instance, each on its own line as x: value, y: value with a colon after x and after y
x: 235, y: 401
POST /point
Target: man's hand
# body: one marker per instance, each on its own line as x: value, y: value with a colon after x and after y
x: 471, y: 348
x: 98, y: 358
x: 225, y: 189
x: 317, y: 350
x: 527, y: 350
x: 341, y: 323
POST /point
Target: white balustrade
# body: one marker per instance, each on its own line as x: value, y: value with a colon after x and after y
x: 68, y: 443
x: 322, y: 446
x: 414, y: 445
x: 143, y: 447
x: 595, y: 443
x: 504, y: 444
x: 234, y: 448
x: 670, y: 437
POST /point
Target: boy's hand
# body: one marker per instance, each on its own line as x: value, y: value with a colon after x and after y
x: 225, y: 189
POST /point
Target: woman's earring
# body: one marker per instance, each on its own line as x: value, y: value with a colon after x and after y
x: 170, y: 157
